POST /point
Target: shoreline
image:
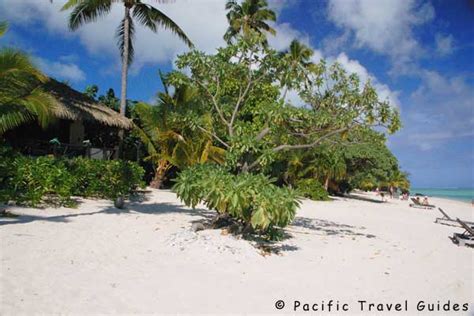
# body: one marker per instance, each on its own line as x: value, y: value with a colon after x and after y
x: 434, y: 193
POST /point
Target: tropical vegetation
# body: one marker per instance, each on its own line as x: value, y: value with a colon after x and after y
x: 47, y: 180
x: 22, y: 98
x: 250, y: 199
x: 250, y: 16
x: 86, y: 11
x: 223, y: 127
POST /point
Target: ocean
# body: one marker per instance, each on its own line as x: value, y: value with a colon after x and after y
x: 465, y: 195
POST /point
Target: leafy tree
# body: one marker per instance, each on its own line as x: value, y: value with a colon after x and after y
x: 86, y: 11
x: 22, y: 98
x: 369, y: 163
x: 251, y: 121
x: 250, y: 199
x: 248, y: 17
x: 239, y: 105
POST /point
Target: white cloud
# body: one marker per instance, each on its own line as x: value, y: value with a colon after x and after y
x: 385, y: 27
x: 285, y: 33
x: 441, y: 110
x: 333, y: 44
x: 60, y: 70
x: 444, y: 44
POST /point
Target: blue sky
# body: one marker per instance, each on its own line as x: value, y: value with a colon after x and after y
x: 418, y: 54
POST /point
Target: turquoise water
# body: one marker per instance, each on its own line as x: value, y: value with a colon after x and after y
x: 466, y: 195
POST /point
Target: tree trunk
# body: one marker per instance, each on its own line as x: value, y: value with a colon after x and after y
x: 157, y: 180
x: 326, y: 183
x: 160, y: 172
x: 284, y: 93
x: 123, y: 92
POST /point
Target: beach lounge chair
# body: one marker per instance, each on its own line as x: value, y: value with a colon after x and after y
x: 447, y: 220
x: 417, y: 204
x: 466, y: 238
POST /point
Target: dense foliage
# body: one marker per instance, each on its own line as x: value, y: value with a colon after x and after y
x: 312, y: 189
x: 104, y: 178
x: 32, y: 181
x: 168, y: 138
x: 249, y: 198
x: 240, y: 89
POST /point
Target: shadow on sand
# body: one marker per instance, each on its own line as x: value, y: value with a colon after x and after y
x: 139, y: 206
x: 329, y: 228
x: 362, y: 198
x: 133, y: 207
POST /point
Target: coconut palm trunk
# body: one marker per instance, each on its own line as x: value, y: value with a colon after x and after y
x: 160, y: 172
x: 125, y: 59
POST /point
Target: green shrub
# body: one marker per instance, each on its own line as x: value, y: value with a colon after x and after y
x: 312, y: 189
x: 105, y: 178
x: 31, y: 181
x: 248, y: 198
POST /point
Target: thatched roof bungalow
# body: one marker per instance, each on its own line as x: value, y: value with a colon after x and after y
x: 79, y: 119
x: 75, y: 106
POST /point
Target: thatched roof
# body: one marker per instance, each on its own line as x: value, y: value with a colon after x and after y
x: 73, y: 105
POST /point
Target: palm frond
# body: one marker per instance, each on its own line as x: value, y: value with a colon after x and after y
x: 70, y: 3
x: 231, y: 4
x: 148, y: 15
x: 12, y: 117
x: 14, y: 61
x: 86, y: 11
x: 41, y: 105
x: 143, y: 13
x: 247, y: 17
x: 146, y: 140
x: 163, y: 81
x: 120, y: 35
x: 21, y: 98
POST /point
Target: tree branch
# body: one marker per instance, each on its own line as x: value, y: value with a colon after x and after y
x: 214, y: 101
x: 262, y: 133
x: 214, y: 135
x: 310, y: 145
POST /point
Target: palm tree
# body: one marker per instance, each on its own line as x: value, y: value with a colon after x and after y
x: 248, y: 17
x: 323, y: 165
x: 298, y: 57
x: 86, y: 11
x: 169, y: 144
x: 22, y: 99
x: 399, y: 180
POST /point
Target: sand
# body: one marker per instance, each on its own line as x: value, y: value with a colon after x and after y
x: 146, y: 260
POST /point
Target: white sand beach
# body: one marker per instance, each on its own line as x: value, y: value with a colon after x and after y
x: 145, y: 260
